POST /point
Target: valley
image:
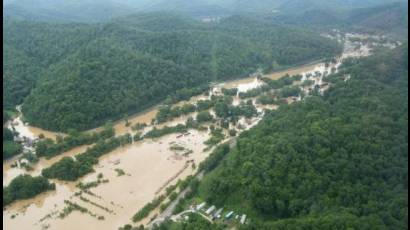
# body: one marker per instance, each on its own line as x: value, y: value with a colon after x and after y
x: 152, y: 164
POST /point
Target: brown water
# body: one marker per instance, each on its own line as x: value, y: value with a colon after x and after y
x: 149, y: 163
x: 149, y: 166
x: 31, y: 132
x: 10, y: 173
x: 252, y: 82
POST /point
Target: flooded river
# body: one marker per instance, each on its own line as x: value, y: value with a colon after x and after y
x: 149, y: 165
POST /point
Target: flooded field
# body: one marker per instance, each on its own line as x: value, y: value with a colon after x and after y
x: 149, y: 166
x: 10, y: 172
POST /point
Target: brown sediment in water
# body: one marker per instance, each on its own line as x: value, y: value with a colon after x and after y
x: 274, y: 75
x: 292, y: 71
x: 148, y: 115
x: 10, y: 173
x: 150, y: 166
x: 149, y: 163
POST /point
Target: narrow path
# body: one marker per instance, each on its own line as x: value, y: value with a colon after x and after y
x: 178, y: 216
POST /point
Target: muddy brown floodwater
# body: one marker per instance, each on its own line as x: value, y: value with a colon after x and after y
x: 9, y: 173
x: 149, y: 165
x: 31, y: 132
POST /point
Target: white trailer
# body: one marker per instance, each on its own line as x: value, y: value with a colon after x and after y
x: 199, y: 207
x: 243, y: 218
x: 217, y: 214
x: 227, y: 216
x: 210, y: 210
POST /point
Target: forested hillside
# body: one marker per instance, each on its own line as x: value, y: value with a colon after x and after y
x: 332, y: 162
x: 83, y: 75
x: 104, y: 10
x: 29, y: 48
x: 389, y: 19
x: 66, y: 10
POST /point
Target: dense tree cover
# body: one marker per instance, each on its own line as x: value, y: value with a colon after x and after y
x: 24, y: 187
x: 27, y: 53
x: 143, y: 59
x: 290, y: 91
x: 204, y: 105
x: 67, y: 169
x: 71, y: 169
x: 390, y: 18
x: 224, y: 108
x: 166, y: 113
x: 48, y: 148
x: 144, y: 211
x: 214, y: 158
x: 7, y: 134
x: 268, y: 99
x: 221, y: 105
x: 230, y: 92
x: 253, y: 92
x: 6, y: 117
x: 90, y: 11
x: 204, y: 116
x: 10, y: 147
x: 332, y: 162
x: 216, y: 136
x: 155, y: 133
x: 66, y: 11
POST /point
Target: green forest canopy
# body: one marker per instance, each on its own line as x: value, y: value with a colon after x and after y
x: 82, y: 75
x: 332, y: 162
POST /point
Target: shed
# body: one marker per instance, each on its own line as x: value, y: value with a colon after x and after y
x: 227, y: 216
x: 200, y: 206
x: 217, y: 214
x: 243, y: 218
x: 210, y: 210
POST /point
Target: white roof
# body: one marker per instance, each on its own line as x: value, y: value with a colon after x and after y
x: 200, y: 206
x: 243, y: 218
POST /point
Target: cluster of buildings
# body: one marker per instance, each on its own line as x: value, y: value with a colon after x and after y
x: 25, y: 141
x: 213, y: 213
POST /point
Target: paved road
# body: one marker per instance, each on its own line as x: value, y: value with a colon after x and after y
x: 167, y: 213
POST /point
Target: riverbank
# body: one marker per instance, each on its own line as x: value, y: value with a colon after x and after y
x: 147, y: 164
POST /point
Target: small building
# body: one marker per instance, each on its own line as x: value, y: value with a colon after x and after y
x: 29, y: 142
x: 210, y: 210
x: 217, y: 214
x: 24, y: 161
x: 18, y: 139
x: 200, y: 206
x: 227, y: 216
x: 243, y: 219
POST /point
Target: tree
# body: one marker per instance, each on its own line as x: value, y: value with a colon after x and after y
x: 204, y: 116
